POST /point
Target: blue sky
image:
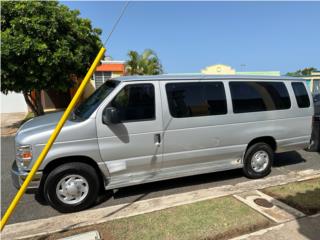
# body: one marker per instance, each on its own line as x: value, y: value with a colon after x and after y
x: 188, y: 36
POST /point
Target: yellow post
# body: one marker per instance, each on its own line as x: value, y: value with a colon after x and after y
x: 51, y: 140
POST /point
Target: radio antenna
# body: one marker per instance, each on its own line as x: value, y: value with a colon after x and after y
x: 116, y: 23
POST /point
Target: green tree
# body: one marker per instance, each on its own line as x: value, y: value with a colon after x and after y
x: 147, y: 63
x: 302, y: 72
x: 44, y: 46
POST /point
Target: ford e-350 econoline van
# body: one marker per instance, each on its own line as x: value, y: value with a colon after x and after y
x: 140, y: 129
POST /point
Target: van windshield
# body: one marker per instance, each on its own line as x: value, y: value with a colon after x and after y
x: 88, y: 106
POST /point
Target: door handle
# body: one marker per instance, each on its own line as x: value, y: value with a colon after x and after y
x: 157, y: 139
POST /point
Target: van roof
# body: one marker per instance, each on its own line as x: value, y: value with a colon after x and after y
x: 164, y: 77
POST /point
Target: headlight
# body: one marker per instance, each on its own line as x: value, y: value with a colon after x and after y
x: 23, y: 156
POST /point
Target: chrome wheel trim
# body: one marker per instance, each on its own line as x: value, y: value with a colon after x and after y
x: 72, y: 189
x: 260, y: 161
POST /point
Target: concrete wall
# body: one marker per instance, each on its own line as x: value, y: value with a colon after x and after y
x: 13, y: 102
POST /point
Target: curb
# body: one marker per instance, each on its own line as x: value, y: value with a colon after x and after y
x: 67, y: 222
x: 258, y: 233
x: 279, y: 212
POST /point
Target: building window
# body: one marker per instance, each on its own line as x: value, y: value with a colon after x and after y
x: 259, y: 96
x: 301, y: 94
x: 101, y: 77
x: 196, y: 99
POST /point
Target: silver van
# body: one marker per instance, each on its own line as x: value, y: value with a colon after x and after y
x: 140, y: 129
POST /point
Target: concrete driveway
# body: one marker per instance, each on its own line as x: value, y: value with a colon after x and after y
x: 31, y: 208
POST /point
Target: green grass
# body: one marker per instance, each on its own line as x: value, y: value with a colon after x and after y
x: 205, y: 219
x: 304, y: 196
x: 212, y: 219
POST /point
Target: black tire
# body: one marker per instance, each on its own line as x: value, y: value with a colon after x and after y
x: 74, y: 168
x: 248, y: 170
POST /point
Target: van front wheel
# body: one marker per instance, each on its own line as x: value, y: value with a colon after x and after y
x: 258, y: 161
x: 72, y: 187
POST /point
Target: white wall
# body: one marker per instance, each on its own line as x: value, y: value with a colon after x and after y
x: 13, y: 102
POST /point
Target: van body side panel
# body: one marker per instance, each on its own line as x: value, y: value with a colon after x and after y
x: 193, y: 143
x: 291, y: 128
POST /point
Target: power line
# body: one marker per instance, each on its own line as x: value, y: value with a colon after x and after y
x: 116, y: 23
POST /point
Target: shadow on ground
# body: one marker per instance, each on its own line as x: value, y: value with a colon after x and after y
x: 287, y: 158
x: 310, y: 228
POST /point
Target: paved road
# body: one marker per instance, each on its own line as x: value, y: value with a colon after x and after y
x: 31, y: 208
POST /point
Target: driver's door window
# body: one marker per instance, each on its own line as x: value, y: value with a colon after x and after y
x: 135, y: 102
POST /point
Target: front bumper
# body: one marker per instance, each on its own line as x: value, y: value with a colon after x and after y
x: 18, y: 177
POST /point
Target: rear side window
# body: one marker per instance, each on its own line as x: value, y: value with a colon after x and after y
x: 301, y: 94
x: 135, y: 102
x: 196, y: 99
x: 259, y: 96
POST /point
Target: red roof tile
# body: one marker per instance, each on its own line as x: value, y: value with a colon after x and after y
x: 113, y: 67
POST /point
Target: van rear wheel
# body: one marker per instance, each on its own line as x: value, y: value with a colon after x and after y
x: 258, y: 161
x: 72, y: 187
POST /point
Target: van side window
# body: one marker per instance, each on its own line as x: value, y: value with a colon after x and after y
x: 196, y: 99
x: 301, y: 94
x: 135, y: 102
x: 259, y: 96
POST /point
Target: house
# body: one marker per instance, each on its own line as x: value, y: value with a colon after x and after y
x: 313, y: 81
x: 108, y: 69
x: 228, y: 70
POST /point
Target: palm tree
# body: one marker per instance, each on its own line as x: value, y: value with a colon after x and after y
x: 147, y: 63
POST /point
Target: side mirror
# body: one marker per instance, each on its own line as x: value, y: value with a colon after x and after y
x: 110, y: 116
